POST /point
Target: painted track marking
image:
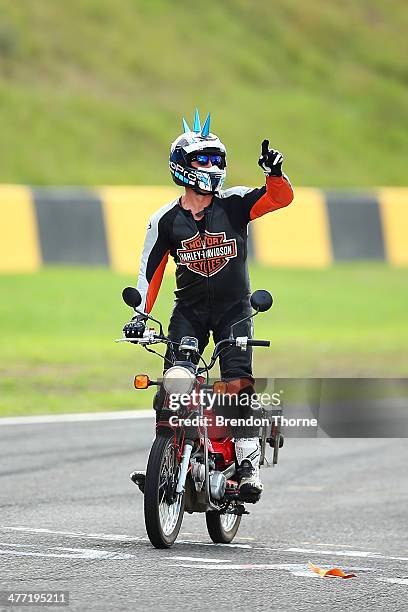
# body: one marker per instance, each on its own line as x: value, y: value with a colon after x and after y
x: 201, y: 559
x: 80, y: 417
x: 394, y: 580
x: 61, y: 552
x: 130, y: 538
x: 297, y: 569
x: 346, y: 553
x: 76, y: 534
x: 181, y: 561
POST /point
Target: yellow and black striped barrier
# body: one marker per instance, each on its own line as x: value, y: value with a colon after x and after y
x: 107, y: 226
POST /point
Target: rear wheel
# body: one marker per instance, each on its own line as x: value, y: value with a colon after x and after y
x: 163, y: 510
x: 222, y: 528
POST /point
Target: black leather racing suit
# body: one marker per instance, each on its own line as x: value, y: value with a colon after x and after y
x: 212, y: 278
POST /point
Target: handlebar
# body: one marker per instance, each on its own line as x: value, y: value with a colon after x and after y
x: 151, y: 337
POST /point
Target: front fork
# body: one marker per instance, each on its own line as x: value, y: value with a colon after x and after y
x: 184, y: 465
x: 185, y: 462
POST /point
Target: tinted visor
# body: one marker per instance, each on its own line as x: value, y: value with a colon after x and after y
x: 203, y: 158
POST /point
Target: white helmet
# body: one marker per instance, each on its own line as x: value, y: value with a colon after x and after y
x: 197, y: 144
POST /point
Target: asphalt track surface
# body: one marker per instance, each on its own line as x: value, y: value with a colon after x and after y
x: 72, y: 520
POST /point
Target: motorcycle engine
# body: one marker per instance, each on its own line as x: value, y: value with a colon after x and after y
x: 218, y: 483
x: 198, y: 474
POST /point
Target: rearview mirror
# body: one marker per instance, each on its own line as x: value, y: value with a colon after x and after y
x: 131, y: 297
x: 261, y: 300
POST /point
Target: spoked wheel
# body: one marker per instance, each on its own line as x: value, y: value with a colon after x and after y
x: 163, y: 510
x: 222, y: 528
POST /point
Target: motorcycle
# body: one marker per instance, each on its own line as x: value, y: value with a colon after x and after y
x: 192, y: 465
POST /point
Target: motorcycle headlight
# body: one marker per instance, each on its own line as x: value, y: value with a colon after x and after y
x: 178, y: 380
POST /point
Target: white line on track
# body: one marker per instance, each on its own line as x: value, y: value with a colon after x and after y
x: 130, y: 538
x: 346, y: 553
x: 394, y: 580
x: 114, y: 537
x: 61, y: 552
x: 331, y: 544
x: 297, y: 569
x: 90, y: 554
x: 179, y: 561
x: 76, y: 534
x: 77, y: 418
x: 201, y: 559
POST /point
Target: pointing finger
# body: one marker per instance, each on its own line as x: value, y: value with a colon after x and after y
x: 265, y: 147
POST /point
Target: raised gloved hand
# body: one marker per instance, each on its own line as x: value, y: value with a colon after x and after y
x: 270, y: 160
x: 136, y: 327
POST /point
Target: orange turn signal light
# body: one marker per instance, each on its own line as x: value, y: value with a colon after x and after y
x: 220, y: 386
x: 142, y: 381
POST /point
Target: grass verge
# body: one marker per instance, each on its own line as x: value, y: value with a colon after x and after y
x: 57, y: 328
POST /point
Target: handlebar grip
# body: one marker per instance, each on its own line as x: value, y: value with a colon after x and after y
x: 259, y: 342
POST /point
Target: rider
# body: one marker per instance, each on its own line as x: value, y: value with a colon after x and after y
x: 205, y: 231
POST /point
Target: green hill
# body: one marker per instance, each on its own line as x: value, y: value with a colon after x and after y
x: 92, y: 91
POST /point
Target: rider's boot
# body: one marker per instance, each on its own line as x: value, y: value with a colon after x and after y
x: 247, y: 452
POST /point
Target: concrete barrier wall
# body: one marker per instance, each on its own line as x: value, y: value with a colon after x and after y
x: 107, y: 226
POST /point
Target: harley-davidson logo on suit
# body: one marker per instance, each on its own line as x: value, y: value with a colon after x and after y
x: 207, y: 255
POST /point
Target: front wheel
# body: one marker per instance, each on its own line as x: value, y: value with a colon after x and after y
x: 163, y: 510
x: 222, y: 528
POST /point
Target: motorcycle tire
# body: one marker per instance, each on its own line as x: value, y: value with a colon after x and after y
x: 222, y: 528
x: 162, y: 519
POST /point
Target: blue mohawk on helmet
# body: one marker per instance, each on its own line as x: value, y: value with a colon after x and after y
x: 197, y: 125
x: 206, y: 127
x: 203, y: 179
x: 185, y: 126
